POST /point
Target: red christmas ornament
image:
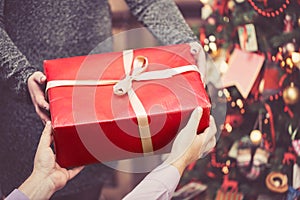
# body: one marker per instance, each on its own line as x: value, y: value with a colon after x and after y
x: 289, y: 158
x: 235, y: 120
x: 272, y: 13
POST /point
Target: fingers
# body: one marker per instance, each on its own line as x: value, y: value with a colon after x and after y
x: 73, y: 172
x: 46, y: 138
x: 211, y: 131
x: 185, y: 137
x: 208, y: 138
x: 194, y: 120
x: 37, y: 92
x: 39, y: 77
x: 43, y: 115
x: 208, y: 148
x: 42, y: 112
x: 41, y: 100
x: 212, y: 124
x: 35, y: 86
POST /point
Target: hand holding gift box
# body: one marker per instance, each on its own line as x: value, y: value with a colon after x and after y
x: 121, y: 105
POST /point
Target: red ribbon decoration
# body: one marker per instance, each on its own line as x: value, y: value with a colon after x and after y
x: 272, y: 129
x: 269, y: 13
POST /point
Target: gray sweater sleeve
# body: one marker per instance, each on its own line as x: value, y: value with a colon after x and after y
x: 163, y: 19
x: 14, y: 67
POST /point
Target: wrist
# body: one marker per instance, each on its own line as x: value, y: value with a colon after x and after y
x: 180, y: 166
x: 37, y: 186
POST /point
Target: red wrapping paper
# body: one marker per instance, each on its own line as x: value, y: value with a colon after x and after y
x: 91, y: 124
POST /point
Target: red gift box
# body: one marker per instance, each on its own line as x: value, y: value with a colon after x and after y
x: 122, y: 105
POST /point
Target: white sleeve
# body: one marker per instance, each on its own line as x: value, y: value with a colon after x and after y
x: 158, y: 184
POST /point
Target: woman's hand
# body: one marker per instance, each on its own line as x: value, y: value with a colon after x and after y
x: 36, y: 82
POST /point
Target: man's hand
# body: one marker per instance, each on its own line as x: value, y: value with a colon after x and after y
x: 47, y: 176
x: 36, y: 83
x: 188, y: 146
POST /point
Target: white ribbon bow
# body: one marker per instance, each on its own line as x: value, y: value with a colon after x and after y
x: 140, y: 64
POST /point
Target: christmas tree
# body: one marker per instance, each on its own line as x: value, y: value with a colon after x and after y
x: 255, y: 46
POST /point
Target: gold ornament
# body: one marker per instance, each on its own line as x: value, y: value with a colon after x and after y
x: 231, y: 5
x: 296, y: 59
x: 290, y: 47
x: 277, y: 182
x: 256, y: 137
x: 291, y: 94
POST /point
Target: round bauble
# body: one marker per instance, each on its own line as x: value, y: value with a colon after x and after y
x: 256, y: 137
x: 277, y: 182
x: 290, y: 95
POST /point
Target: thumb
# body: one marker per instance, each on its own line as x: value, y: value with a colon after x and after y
x: 46, y: 138
x: 73, y: 172
x: 194, y: 120
x: 186, y: 136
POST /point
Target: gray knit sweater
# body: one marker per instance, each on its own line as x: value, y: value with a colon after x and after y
x: 34, y: 30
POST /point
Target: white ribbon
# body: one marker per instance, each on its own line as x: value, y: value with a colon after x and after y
x: 124, y: 86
